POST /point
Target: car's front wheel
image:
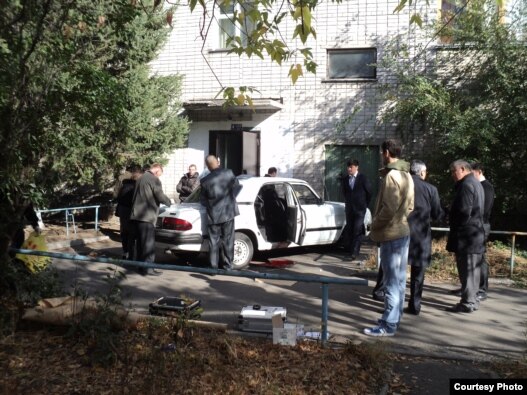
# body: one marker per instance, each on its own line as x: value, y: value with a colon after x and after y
x: 243, y: 250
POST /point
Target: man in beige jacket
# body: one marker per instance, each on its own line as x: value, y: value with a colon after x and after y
x: 390, y: 228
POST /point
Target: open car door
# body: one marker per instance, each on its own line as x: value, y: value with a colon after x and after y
x: 296, y: 217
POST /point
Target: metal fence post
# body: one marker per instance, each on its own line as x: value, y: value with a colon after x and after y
x: 96, y: 219
x: 325, y: 297
x: 67, y: 224
x: 512, y: 253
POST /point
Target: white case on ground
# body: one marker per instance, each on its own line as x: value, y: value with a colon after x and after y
x: 259, y: 318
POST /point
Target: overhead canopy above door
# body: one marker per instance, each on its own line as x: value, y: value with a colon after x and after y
x: 214, y: 110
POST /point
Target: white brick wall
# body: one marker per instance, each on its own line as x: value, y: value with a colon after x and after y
x: 293, y: 139
x: 178, y: 164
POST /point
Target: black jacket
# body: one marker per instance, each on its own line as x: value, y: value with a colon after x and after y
x: 187, y: 184
x: 466, y: 217
x: 427, y: 208
x: 125, y: 199
x: 148, y: 195
x: 358, y: 198
x: 218, y: 190
x: 488, y: 189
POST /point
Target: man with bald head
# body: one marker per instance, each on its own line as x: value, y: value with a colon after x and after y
x: 218, y: 190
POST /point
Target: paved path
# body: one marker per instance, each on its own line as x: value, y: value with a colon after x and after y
x: 438, y: 344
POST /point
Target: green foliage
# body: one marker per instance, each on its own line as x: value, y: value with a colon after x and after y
x: 77, y: 101
x: 503, y: 246
x: 472, y: 103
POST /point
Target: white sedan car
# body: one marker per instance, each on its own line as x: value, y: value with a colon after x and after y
x: 274, y: 213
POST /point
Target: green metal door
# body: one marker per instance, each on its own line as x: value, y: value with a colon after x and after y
x: 336, y: 158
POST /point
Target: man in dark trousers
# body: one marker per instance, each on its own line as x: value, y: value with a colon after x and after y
x: 123, y: 210
x: 148, y: 196
x: 427, y: 208
x: 488, y: 189
x: 218, y: 196
x: 467, y: 236
x: 357, y: 194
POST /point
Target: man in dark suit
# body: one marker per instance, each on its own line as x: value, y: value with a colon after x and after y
x: 218, y: 196
x: 488, y: 189
x: 467, y: 236
x: 426, y: 208
x: 148, y: 196
x: 357, y: 193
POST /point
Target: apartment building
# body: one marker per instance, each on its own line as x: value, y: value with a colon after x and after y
x: 309, y: 129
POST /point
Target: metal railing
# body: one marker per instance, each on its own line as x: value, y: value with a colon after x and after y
x: 70, y: 216
x: 323, y: 280
x: 498, y: 232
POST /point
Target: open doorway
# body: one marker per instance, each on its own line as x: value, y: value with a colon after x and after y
x: 237, y: 150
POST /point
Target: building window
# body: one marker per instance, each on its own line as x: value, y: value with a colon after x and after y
x: 450, y: 11
x: 357, y: 63
x: 230, y: 12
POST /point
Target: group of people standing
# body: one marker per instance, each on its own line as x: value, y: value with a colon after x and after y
x: 405, y: 207
x: 138, y: 202
x: 141, y: 194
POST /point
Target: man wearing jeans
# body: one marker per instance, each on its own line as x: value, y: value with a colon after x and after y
x: 390, y: 228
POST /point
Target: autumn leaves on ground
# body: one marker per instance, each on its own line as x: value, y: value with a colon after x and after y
x: 171, y: 356
x: 163, y: 358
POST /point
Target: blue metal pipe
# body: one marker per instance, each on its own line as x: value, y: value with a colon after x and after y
x: 68, y: 214
x: 325, y: 298
x: 233, y: 273
x: 325, y: 281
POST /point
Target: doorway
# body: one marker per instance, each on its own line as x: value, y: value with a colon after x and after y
x: 237, y: 150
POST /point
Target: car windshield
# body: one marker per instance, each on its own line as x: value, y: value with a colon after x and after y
x: 194, y: 197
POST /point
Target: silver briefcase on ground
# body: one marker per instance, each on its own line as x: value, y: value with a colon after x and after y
x: 258, y: 318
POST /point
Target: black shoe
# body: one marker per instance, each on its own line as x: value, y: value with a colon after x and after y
x: 461, y: 308
x: 481, y: 297
x: 456, y: 291
x: 409, y: 310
